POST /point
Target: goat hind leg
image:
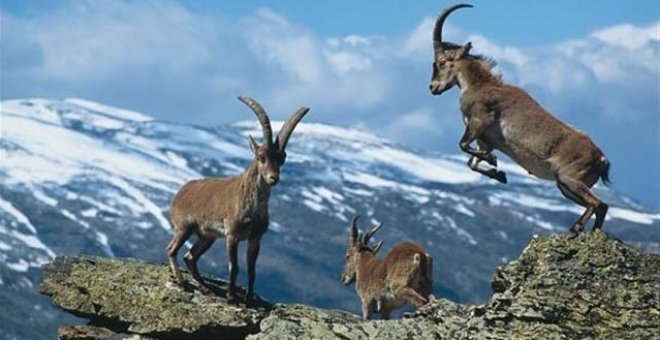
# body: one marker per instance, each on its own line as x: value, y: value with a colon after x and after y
x: 579, y: 193
x: 178, y: 239
x: 200, y: 247
x: 601, y: 211
x: 413, y: 296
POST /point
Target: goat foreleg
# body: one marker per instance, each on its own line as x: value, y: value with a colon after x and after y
x: 493, y: 173
x: 473, y: 129
x: 252, y: 254
x: 232, y: 259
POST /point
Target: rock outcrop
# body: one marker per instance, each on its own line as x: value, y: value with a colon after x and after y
x: 589, y: 287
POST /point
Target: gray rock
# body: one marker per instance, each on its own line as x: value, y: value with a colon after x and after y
x: 593, y: 286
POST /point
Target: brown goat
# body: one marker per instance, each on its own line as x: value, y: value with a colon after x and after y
x: 235, y: 208
x: 504, y: 117
x: 404, y: 276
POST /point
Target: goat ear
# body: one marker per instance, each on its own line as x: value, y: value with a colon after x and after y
x: 464, y: 50
x: 253, y: 144
x: 377, y: 246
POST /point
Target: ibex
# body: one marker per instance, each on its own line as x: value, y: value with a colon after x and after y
x: 235, y: 208
x: 404, y: 276
x: 504, y: 117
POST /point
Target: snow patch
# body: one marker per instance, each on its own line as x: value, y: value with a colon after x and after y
x: 109, y: 110
x: 463, y: 210
x: 313, y: 205
x: 632, y: 216
x: 141, y: 201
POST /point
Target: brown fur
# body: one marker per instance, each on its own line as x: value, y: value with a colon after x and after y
x: 405, y: 275
x: 504, y: 117
x: 235, y: 208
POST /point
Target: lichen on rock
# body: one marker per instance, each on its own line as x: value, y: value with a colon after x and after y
x: 559, y: 288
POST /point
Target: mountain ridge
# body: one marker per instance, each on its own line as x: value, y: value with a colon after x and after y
x: 82, y: 177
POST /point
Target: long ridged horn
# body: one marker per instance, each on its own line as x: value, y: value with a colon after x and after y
x: 262, y: 116
x: 437, y: 31
x: 285, y: 132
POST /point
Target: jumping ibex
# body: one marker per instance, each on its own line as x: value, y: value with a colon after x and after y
x: 504, y: 117
x: 235, y: 208
x: 404, y: 276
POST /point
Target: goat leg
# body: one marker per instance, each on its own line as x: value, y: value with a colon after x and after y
x: 232, y: 259
x: 252, y: 254
x: 413, y: 296
x: 493, y: 173
x: 365, y: 310
x: 179, y: 238
x: 473, y: 130
x: 191, y: 258
x: 579, y: 193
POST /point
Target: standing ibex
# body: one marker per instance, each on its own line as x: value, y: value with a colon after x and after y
x: 235, y: 208
x: 404, y: 276
x: 504, y: 117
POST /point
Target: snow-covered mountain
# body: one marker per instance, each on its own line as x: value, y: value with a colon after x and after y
x: 82, y: 177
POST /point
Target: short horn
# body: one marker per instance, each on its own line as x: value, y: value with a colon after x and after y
x: 377, y: 246
x: 285, y: 132
x: 354, y: 230
x: 437, y: 31
x: 371, y: 232
x: 262, y: 116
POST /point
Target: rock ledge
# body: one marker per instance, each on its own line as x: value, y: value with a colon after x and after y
x: 590, y: 287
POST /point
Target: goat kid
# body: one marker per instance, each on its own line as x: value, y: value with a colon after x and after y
x: 235, y: 208
x: 504, y: 117
x: 404, y: 276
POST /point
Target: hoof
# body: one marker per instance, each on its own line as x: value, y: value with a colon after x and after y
x: 230, y: 296
x: 500, y: 176
x: 178, y: 280
x: 204, y: 289
x: 574, y: 232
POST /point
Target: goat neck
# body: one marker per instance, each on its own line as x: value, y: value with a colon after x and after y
x: 255, y: 190
x: 474, y: 75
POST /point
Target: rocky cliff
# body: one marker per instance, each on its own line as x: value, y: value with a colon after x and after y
x: 590, y: 287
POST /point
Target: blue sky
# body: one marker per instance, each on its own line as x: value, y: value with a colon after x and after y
x: 358, y: 63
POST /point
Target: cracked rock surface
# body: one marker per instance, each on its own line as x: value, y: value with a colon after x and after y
x: 590, y: 287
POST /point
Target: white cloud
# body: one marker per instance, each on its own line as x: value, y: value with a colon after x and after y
x: 629, y: 36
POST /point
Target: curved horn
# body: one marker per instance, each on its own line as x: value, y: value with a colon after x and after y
x: 371, y: 232
x: 354, y: 231
x: 437, y: 31
x: 262, y: 116
x: 283, y: 136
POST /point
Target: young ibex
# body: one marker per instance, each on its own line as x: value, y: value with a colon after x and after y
x: 235, y: 208
x: 504, y: 117
x: 404, y: 276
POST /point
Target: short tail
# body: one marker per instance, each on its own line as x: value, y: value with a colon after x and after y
x: 605, y: 170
